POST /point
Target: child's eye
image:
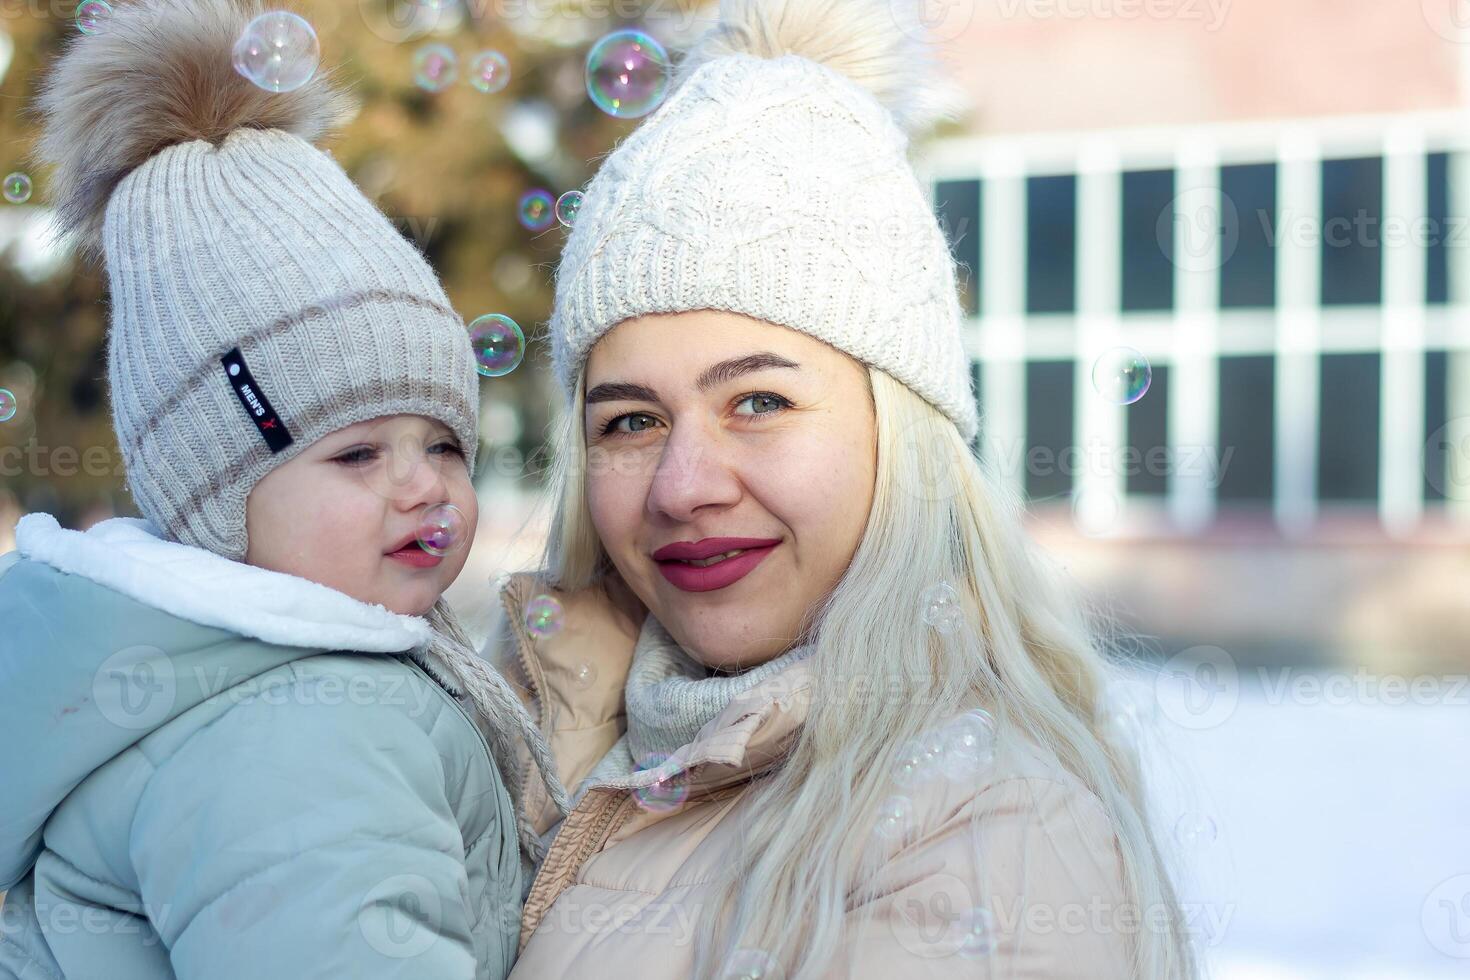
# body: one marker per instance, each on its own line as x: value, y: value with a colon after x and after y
x: 447, y: 447
x: 356, y: 456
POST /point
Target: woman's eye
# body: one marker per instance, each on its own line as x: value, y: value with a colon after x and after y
x: 775, y: 403
x: 764, y: 403
x: 637, y: 422
x: 447, y: 447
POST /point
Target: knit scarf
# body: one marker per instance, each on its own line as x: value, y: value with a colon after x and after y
x: 669, y: 697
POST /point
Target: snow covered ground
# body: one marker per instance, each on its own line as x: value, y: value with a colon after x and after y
x: 1343, y: 816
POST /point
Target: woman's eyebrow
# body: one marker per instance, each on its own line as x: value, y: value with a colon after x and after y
x: 715, y: 374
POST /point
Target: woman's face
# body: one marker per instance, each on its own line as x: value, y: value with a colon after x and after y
x: 709, y: 425
x: 346, y: 512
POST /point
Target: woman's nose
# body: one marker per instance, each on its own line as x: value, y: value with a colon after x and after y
x: 692, y: 475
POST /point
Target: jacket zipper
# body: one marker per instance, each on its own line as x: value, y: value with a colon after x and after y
x: 479, y: 735
x: 509, y: 602
x: 598, y: 832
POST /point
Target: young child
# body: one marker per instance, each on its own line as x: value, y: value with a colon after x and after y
x: 244, y: 736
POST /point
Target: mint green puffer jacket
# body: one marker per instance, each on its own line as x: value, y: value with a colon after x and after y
x: 209, y: 770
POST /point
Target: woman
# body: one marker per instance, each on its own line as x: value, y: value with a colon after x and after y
x: 827, y: 712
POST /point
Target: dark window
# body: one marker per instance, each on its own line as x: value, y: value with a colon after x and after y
x: 1347, y: 455
x: 1352, y: 227
x: 1148, y: 240
x: 1050, y: 453
x: 1436, y: 417
x: 1441, y: 232
x: 975, y: 377
x: 1250, y: 227
x: 1051, y: 244
x: 976, y: 374
x: 1246, y: 454
x: 1147, y: 463
x: 958, y: 205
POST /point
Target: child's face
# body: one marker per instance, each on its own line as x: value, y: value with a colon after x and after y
x: 336, y: 513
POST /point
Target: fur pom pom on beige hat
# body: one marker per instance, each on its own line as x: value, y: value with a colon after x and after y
x: 258, y: 300
x: 154, y: 79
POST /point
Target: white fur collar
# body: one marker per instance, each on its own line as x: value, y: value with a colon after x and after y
x: 129, y: 556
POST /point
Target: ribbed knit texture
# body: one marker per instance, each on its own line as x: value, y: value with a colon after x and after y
x: 780, y: 189
x: 263, y: 243
x: 669, y: 696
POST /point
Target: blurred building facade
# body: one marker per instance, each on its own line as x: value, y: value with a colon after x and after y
x: 1271, y: 203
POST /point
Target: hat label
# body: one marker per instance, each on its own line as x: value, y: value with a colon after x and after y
x: 256, y: 405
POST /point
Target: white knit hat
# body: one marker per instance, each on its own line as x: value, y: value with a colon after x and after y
x: 258, y: 300
x: 775, y: 182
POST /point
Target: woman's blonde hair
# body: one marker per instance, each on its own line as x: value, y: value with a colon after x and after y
x: 1030, y: 654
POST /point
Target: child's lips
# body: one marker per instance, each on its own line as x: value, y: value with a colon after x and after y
x: 415, y: 557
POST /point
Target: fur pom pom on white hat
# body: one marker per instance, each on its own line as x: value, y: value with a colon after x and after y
x: 878, y: 44
x: 775, y: 182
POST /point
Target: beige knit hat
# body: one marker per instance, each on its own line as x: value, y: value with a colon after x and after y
x: 775, y: 182
x: 258, y: 300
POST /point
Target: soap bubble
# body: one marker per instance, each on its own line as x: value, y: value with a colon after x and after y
x: 568, y: 206
x: 1121, y: 375
x: 17, y: 188
x: 748, y: 963
x: 911, y: 767
x: 895, y: 818
x: 1195, y: 830
x: 941, y: 608
x: 976, y: 928
x: 667, y: 793
x: 442, y: 528
x: 435, y: 67
x: 499, y: 345
x: 969, y: 744
x: 543, y: 615
x: 537, y: 210
x: 7, y: 404
x: 490, y: 72
x: 627, y: 74
x: 93, y: 16
x: 584, y: 676
x: 1122, y: 712
x: 278, y: 51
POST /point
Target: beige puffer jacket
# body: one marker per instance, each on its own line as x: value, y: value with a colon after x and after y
x: 621, y: 890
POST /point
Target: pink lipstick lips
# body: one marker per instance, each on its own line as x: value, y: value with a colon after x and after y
x: 708, y: 564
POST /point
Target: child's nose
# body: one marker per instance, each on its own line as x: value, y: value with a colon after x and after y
x: 416, y: 477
